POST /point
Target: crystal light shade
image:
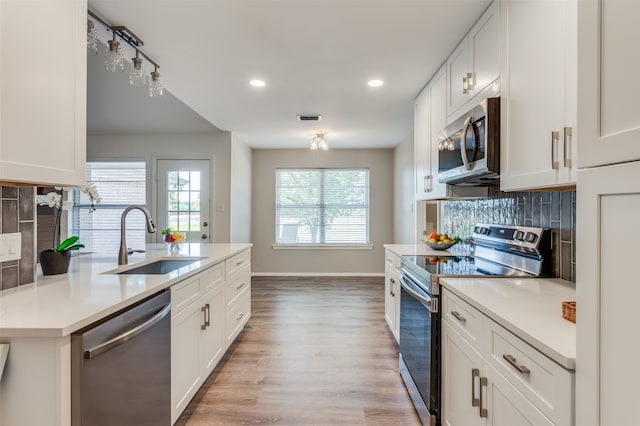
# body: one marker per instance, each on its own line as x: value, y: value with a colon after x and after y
x: 137, y: 76
x: 92, y: 38
x: 319, y: 142
x: 114, y: 60
x: 155, y: 85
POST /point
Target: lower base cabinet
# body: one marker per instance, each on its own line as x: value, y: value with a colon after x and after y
x: 203, y: 324
x: 480, y: 386
x: 392, y: 293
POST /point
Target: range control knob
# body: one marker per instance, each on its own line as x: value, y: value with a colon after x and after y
x: 531, y: 237
x: 519, y: 236
x: 477, y: 229
x: 485, y: 231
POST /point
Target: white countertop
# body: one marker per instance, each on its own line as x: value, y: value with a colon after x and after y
x: 531, y: 308
x: 418, y: 249
x: 57, y: 305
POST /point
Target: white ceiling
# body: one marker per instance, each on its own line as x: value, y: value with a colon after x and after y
x: 316, y: 57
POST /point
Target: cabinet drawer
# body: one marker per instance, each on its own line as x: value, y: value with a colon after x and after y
x: 466, y: 319
x: 183, y: 294
x: 237, y: 284
x: 548, y: 385
x: 237, y: 316
x: 240, y: 260
x: 212, y: 277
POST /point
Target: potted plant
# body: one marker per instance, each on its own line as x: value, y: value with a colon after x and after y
x: 55, y: 260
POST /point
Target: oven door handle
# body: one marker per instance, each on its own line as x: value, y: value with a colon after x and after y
x: 424, y: 299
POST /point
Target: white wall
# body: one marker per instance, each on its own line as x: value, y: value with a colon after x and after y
x: 266, y: 260
x: 404, y: 216
x: 149, y: 147
x: 240, y: 205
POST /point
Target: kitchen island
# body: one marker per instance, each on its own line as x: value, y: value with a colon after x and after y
x: 37, y: 321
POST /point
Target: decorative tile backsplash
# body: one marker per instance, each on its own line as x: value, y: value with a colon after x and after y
x: 553, y: 210
x: 17, y: 214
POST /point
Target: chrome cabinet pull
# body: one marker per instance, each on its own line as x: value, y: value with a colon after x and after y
x: 204, y: 318
x: 458, y: 316
x: 475, y: 402
x: 514, y: 363
x: 239, y: 317
x: 483, y: 384
x: 568, y: 135
x: 207, y: 321
x: 239, y: 263
x: 238, y: 287
x: 470, y: 83
x: 465, y: 85
x: 392, y: 287
x: 555, y: 139
x: 426, y: 187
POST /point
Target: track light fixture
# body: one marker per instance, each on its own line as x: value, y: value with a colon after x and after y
x: 114, y: 58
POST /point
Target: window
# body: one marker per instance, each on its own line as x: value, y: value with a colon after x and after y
x: 322, y: 206
x: 119, y: 184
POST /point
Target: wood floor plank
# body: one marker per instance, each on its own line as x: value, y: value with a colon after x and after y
x: 315, y: 352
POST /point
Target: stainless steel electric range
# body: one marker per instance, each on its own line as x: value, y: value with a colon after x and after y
x: 500, y: 251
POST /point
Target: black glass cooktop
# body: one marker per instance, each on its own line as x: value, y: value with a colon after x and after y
x: 457, y: 265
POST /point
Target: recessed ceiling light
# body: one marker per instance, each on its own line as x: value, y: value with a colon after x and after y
x: 375, y: 83
x: 257, y: 83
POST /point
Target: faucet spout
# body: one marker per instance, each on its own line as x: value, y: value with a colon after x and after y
x: 123, y: 257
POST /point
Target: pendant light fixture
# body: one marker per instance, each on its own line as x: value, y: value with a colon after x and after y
x: 137, y: 77
x: 114, y: 60
x: 92, y: 38
x: 155, y: 85
x: 319, y: 142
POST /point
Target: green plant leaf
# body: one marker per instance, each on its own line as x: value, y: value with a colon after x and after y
x: 69, y: 242
x: 74, y: 247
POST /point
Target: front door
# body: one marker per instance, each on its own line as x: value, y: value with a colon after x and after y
x: 183, y: 198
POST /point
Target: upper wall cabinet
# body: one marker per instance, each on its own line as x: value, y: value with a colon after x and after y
x: 539, y: 99
x: 473, y: 69
x: 43, y: 91
x: 607, y: 81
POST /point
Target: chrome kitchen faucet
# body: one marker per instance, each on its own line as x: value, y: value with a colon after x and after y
x: 123, y: 256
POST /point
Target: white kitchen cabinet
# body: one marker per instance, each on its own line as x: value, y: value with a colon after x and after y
x: 238, y: 294
x: 392, y: 292
x: 607, y: 295
x: 608, y: 35
x: 492, y: 377
x: 539, y: 94
x: 197, y: 333
x: 43, y: 91
x: 473, y: 68
x: 421, y: 145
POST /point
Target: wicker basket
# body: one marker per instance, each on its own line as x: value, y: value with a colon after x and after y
x: 569, y: 311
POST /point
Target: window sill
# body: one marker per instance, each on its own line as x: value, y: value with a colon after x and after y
x: 322, y: 246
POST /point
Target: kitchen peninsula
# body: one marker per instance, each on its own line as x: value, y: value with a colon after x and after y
x: 37, y: 319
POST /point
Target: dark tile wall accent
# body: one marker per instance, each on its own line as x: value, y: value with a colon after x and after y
x: 553, y: 210
x: 17, y: 214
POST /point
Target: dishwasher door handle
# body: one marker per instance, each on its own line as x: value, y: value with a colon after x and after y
x: 127, y: 335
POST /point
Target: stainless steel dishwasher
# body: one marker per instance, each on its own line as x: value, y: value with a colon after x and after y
x: 121, y: 367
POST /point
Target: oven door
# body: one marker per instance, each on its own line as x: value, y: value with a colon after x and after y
x: 419, y: 349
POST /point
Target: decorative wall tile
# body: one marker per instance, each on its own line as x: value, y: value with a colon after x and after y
x: 17, y: 214
x: 552, y: 210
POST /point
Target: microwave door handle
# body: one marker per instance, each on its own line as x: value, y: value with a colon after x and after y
x: 463, y: 143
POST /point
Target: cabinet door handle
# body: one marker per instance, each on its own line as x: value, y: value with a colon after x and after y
x: 458, y: 316
x: 483, y: 384
x: 426, y: 184
x: 568, y: 135
x: 475, y: 373
x: 555, y: 140
x: 239, y: 263
x: 239, y: 317
x: 203, y: 309
x: 392, y: 286
x: 470, y: 82
x: 465, y: 85
x: 514, y: 363
x: 238, y: 287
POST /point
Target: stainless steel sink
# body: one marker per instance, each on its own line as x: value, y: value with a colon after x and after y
x: 160, y: 267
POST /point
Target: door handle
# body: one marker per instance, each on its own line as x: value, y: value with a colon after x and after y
x: 205, y: 236
x: 458, y: 316
x: 238, y: 287
x: 568, y: 135
x: 239, y: 317
x: 514, y: 363
x: 391, y: 287
x: 128, y: 335
x: 465, y: 85
x: 203, y: 309
x: 483, y: 384
x: 463, y: 142
x: 205, y: 224
x: 555, y: 139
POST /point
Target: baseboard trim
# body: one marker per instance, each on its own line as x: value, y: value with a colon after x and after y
x: 317, y: 274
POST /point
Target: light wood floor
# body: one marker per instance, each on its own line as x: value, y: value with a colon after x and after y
x: 315, y: 352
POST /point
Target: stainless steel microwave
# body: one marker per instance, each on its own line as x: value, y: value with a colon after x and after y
x: 469, y: 148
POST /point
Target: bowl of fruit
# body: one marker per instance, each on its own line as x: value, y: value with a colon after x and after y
x: 441, y: 241
x: 173, y: 238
